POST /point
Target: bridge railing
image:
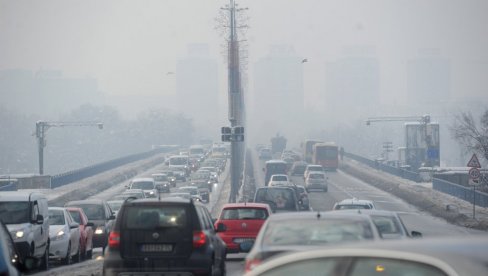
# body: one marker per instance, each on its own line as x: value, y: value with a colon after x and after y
x: 462, y: 192
x: 413, y: 176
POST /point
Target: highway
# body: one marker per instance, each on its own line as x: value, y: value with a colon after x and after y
x: 341, y: 186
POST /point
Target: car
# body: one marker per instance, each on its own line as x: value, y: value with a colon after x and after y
x: 311, y: 167
x: 354, y: 203
x: 316, y: 180
x: 202, y: 179
x: 10, y: 261
x: 115, y: 205
x: 192, y: 190
x: 182, y: 195
x: 64, y: 235
x: 298, y: 168
x: 242, y: 222
x: 171, y: 177
x: 86, y: 231
x: 137, y: 193
x: 147, y: 184
x: 279, y: 180
x: 98, y: 212
x: 306, y: 230
x: 453, y: 255
x: 162, y: 182
x: 280, y: 199
x: 167, y: 236
x: 265, y: 154
x: 26, y: 216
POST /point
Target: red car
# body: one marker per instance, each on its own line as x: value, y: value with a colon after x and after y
x: 86, y: 231
x: 242, y: 222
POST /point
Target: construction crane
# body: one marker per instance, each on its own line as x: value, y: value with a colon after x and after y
x: 421, y: 138
x: 422, y: 119
x: 43, y: 126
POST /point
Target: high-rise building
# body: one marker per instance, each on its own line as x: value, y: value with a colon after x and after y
x: 278, y: 98
x: 352, y: 84
x: 197, y: 86
x: 428, y: 78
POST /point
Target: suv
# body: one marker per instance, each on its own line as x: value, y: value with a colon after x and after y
x: 353, y: 203
x: 98, y: 212
x: 170, y: 235
x: 27, y: 218
x: 147, y: 184
x: 279, y: 198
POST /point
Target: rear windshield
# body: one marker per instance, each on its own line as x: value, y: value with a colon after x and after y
x: 150, y: 217
x: 280, y: 178
x: 161, y: 177
x: 316, y: 176
x: 352, y: 206
x: 283, y: 199
x: 315, y: 168
x: 145, y: 185
x: 244, y: 213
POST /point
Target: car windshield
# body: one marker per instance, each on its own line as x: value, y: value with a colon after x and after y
x: 149, y: 217
x: 144, y: 185
x: 56, y: 217
x: 244, y: 213
x: 75, y: 215
x: 14, y: 212
x: 316, y: 232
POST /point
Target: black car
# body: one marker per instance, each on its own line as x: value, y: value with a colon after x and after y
x: 165, y: 237
x: 97, y: 211
x: 10, y: 261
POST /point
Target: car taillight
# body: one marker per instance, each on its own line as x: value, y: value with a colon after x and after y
x: 198, y: 239
x: 114, y: 240
x: 251, y: 264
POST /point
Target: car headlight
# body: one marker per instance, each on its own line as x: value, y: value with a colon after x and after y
x: 60, y: 235
x: 17, y: 234
x: 99, y: 231
x: 151, y: 192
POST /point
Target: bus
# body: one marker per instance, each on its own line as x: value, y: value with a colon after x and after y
x: 274, y: 167
x: 326, y: 154
x: 180, y: 162
x: 307, y: 148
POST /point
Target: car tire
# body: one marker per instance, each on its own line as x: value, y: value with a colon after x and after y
x: 45, y: 259
x: 77, y: 257
x: 67, y: 259
x: 89, y: 254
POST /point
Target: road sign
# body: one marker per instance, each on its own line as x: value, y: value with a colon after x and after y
x: 474, y: 173
x: 474, y: 162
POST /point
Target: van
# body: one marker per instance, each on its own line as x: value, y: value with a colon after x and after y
x: 27, y: 218
x: 280, y: 199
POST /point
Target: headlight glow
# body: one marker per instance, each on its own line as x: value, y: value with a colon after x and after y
x: 19, y: 234
x: 99, y: 231
x: 60, y: 233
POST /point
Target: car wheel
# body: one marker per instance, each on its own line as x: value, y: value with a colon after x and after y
x: 45, y: 259
x: 89, y: 254
x: 77, y: 257
x: 67, y: 259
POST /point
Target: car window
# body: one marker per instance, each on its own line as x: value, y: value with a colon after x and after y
x: 283, y: 199
x: 203, y: 220
x: 93, y: 211
x: 244, y: 213
x: 150, y: 217
x: 15, y: 212
x: 280, y: 178
x: 316, y: 176
x: 56, y: 217
x: 145, y: 185
x: 386, y: 225
x: 76, y: 216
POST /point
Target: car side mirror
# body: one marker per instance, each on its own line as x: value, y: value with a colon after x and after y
x: 73, y: 225
x: 221, y: 227
x: 111, y: 217
x: 416, y: 234
x: 40, y: 219
x: 90, y: 224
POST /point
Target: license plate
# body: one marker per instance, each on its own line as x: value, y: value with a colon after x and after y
x: 157, y: 248
x: 241, y: 240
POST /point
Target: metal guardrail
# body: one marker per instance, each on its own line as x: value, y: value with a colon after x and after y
x: 413, y: 176
x: 459, y: 191
x: 79, y: 174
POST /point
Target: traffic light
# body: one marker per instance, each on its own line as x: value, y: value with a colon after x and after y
x: 226, y: 134
x: 235, y: 134
x: 238, y: 134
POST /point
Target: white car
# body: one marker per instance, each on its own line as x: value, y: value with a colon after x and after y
x: 64, y: 236
x: 147, y: 184
x: 315, y: 168
x: 354, y: 203
x: 316, y: 180
x: 279, y: 180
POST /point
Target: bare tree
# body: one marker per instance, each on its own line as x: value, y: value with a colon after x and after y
x: 470, y: 134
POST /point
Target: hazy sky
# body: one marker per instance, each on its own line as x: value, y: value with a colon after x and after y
x: 129, y: 46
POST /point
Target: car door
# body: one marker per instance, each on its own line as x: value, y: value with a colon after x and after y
x: 215, y: 240
x: 74, y: 233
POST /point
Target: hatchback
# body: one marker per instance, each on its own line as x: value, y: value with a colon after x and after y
x: 64, y: 236
x: 170, y: 236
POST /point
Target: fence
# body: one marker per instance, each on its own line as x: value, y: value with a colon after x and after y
x: 413, y: 176
x: 462, y: 192
x: 76, y: 175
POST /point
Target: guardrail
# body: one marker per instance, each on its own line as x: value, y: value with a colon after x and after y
x: 79, y: 174
x: 459, y: 191
x: 413, y: 176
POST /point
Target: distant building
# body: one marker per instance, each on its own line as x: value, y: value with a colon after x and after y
x: 46, y: 92
x: 428, y: 78
x: 278, y: 93
x: 197, y: 86
x: 352, y: 81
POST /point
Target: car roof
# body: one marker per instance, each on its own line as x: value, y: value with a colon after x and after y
x: 245, y: 205
x: 142, y: 179
x: 279, y: 175
x: 355, y: 201
x: 313, y: 165
x: 56, y: 208
x: 85, y: 201
x: 19, y: 196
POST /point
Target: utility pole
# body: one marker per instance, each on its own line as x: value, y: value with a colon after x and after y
x: 234, y: 134
x: 41, y: 129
